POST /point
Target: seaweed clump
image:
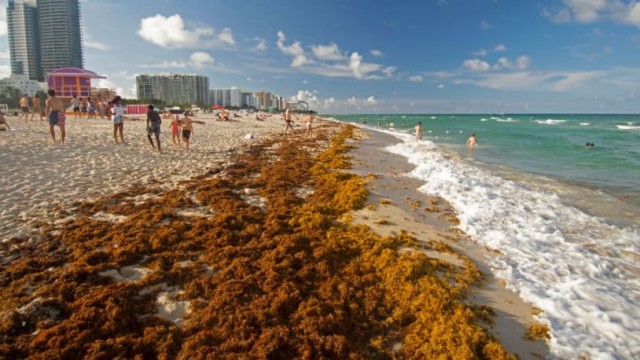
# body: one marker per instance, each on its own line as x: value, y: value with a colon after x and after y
x: 292, y: 279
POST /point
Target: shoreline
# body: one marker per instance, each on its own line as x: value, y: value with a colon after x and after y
x: 130, y: 235
x: 396, y: 197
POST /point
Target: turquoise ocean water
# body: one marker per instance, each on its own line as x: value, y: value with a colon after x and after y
x: 549, y: 145
x: 564, y: 217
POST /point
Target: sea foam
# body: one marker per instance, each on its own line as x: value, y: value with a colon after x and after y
x: 582, y: 272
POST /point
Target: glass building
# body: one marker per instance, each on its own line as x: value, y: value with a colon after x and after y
x: 44, y: 35
x: 174, y: 88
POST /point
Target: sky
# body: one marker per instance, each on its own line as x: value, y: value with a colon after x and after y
x: 357, y: 56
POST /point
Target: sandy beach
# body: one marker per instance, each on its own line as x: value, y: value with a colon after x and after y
x: 38, y: 176
x: 237, y: 247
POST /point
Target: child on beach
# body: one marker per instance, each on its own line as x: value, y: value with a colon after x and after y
x: 175, y: 131
x: 4, y: 125
x: 117, y: 110
x: 153, y: 126
x: 187, y: 128
x: 54, y: 111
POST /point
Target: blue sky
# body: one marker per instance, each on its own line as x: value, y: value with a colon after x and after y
x: 356, y: 56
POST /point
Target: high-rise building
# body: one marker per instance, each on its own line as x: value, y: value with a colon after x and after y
x: 174, y: 88
x: 60, y: 35
x: 24, y: 39
x: 44, y: 35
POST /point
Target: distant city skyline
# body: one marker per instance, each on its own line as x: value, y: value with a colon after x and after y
x: 437, y: 56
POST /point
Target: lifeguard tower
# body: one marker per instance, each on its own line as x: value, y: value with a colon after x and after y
x: 71, y: 81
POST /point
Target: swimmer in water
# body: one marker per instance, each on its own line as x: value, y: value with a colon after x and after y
x: 472, y: 141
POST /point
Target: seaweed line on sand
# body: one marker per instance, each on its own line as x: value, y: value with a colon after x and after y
x: 286, y: 277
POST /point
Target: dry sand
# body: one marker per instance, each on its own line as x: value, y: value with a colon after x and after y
x: 398, y: 205
x: 38, y: 176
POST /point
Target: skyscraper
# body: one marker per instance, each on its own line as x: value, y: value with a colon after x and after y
x: 60, y: 36
x: 44, y: 35
x: 24, y: 39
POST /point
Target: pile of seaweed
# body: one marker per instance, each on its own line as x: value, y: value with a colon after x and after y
x: 262, y: 258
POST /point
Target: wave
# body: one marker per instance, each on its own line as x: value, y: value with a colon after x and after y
x: 585, y: 124
x: 579, y: 270
x: 551, y: 122
x: 628, y: 127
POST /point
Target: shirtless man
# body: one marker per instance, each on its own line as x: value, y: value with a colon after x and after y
x: 54, y: 111
x: 472, y: 142
x: 288, y: 121
x: 24, y: 106
x: 37, y: 107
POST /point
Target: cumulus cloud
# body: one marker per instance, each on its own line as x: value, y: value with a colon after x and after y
x: 500, y: 48
x: 261, y: 45
x: 327, y: 52
x: 416, y: 78
x: 198, y: 59
x: 171, y: 32
x: 376, y: 53
x: 389, y: 70
x: 371, y: 100
x: 201, y: 59
x: 294, y: 50
x: 307, y: 96
x: 589, y: 11
x: 476, y: 65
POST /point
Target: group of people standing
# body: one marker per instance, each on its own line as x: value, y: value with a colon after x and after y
x: 308, y: 119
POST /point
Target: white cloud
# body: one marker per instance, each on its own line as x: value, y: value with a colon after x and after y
x: 355, y: 61
x: 476, y: 65
x: 371, y: 100
x: 376, y: 53
x: 480, y: 52
x: 389, y: 70
x: 500, y: 48
x: 96, y: 45
x: 589, y: 11
x: 171, y: 32
x: 295, y: 50
x: 327, y: 52
x: 441, y: 86
x: 329, y: 102
x: 534, y: 81
x: 226, y: 37
x: 201, y: 59
x: 3, y: 19
x: 198, y: 59
x: 484, y: 25
x: 523, y: 62
x: 261, y: 45
x: 416, y: 78
x: 307, y: 96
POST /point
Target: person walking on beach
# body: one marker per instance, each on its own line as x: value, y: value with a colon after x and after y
x: 288, y: 122
x: 308, y: 121
x: 83, y: 108
x: 75, y: 104
x: 175, y: 131
x: 37, y: 107
x: 187, y: 128
x: 24, y: 106
x: 472, y: 141
x: 117, y: 110
x: 54, y: 111
x: 419, y: 131
x: 153, y: 126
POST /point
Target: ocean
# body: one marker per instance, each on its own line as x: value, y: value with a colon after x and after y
x: 565, y: 217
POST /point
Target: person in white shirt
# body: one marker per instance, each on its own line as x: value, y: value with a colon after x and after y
x: 117, y: 116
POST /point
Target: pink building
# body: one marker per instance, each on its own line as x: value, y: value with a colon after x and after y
x: 68, y: 82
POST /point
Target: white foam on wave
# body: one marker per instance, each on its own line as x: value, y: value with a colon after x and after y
x: 551, y: 122
x: 580, y: 271
x: 628, y: 127
x: 585, y: 124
